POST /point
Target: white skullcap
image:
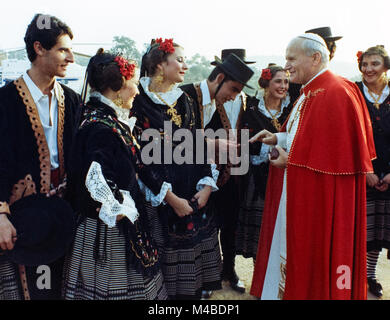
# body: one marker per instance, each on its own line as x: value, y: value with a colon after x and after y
x: 313, y: 37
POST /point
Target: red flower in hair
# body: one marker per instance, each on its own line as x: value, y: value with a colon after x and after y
x: 126, y: 68
x: 166, y: 45
x: 359, y: 55
x: 266, y: 74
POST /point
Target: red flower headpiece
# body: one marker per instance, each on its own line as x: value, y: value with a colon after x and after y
x: 266, y: 74
x: 127, y: 69
x: 166, y: 45
x: 359, y: 55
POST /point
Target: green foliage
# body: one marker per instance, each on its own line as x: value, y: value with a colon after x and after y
x: 199, y: 69
x: 126, y: 47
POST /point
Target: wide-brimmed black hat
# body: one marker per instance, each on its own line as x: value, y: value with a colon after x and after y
x: 45, y: 229
x: 241, y: 53
x: 235, y: 68
x: 325, y: 33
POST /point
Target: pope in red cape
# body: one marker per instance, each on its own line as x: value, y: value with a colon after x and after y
x: 319, y: 185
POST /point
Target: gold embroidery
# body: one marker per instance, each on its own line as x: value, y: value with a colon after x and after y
x: 43, y: 149
x: 282, y: 282
x: 4, y: 207
x: 200, y: 101
x: 23, y: 280
x: 314, y: 93
x: 25, y: 187
x: 327, y: 172
x: 60, y: 130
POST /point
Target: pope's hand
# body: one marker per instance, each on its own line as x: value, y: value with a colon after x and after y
x: 281, y: 161
x: 264, y: 136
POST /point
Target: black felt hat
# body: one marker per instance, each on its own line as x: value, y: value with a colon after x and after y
x: 325, y: 33
x: 241, y: 53
x: 235, y: 68
x: 45, y: 230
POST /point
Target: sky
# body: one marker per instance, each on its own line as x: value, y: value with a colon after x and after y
x: 207, y: 26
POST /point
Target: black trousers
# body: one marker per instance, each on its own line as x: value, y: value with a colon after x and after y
x: 226, y: 205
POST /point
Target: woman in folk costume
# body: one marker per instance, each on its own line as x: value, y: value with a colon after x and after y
x: 184, y: 230
x: 113, y: 255
x: 268, y: 110
x: 373, y: 64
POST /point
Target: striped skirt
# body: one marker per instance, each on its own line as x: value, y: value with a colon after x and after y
x: 187, y: 271
x: 10, y: 288
x: 249, y: 221
x: 378, y: 222
x: 86, y: 278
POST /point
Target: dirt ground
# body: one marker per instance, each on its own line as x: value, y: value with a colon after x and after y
x: 244, y: 269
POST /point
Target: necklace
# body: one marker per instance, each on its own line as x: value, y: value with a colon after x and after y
x: 297, y: 113
x: 274, y: 121
x: 376, y: 101
x: 176, y: 118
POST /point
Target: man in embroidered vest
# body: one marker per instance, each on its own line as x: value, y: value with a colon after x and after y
x: 312, y: 243
x: 38, y: 118
x: 221, y: 103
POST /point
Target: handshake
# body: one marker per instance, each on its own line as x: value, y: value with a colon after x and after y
x: 277, y: 155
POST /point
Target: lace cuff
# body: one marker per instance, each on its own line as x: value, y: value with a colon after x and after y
x: 155, y: 200
x: 262, y: 157
x: 101, y: 192
x: 208, y: 181
x: 214, y: 172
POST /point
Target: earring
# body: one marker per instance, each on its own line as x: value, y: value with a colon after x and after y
x: 118, y: 101
x: 265, y: 94
x: 159, y: 79
x: 384, y: 78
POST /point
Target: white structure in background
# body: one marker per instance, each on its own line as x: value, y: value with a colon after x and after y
x: 12, y: 69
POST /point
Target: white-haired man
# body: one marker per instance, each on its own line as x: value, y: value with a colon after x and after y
x: 313, y: 236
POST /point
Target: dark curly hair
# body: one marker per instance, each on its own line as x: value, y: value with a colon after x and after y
x: 264, y: 83
x: 46, y: 35
x: 152, y: 57
x: 377, y: 50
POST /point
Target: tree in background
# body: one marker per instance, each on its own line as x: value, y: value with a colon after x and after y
x: 199, y: 69
x: 126, y: 47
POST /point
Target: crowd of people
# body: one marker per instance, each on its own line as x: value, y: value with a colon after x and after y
x: 84, y: 214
